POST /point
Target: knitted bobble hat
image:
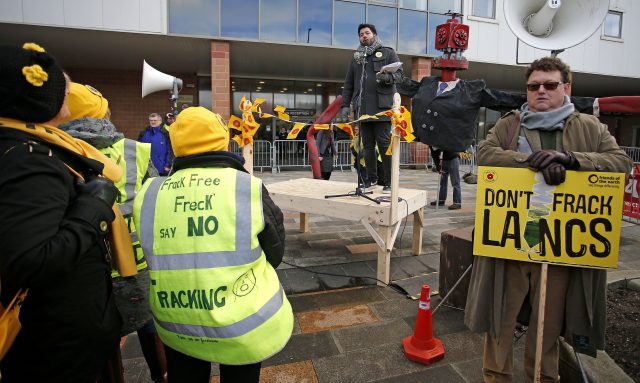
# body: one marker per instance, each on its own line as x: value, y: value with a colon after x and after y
x: 32, y: 84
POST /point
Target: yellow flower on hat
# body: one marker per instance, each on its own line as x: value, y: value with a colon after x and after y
x: 35, y: 75
x: 33, y: 47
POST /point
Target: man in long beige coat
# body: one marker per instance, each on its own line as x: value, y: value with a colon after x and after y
x: 549, y: 136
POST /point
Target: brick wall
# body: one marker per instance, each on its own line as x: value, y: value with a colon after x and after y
x: 220, y: 81
x: 123, y: 89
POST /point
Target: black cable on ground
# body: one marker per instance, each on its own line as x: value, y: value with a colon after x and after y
x: 391, y: 285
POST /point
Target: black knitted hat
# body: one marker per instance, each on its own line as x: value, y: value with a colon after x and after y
x: 32, y: 84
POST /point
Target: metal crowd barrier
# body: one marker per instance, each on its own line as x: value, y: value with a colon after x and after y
x: 633, y: 152
x: 294, y: 155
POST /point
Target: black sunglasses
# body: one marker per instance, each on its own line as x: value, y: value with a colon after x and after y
x: 547, y: 86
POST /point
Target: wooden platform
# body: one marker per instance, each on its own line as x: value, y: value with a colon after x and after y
x: 307, y: 196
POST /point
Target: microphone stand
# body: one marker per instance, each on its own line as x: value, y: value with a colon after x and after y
x: 360, y: 191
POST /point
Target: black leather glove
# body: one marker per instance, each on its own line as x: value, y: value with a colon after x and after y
x: 99, y: 188
x: 384, y: 78
x: 344, y: 113
x: 541, y: 159
x: 554, y: 174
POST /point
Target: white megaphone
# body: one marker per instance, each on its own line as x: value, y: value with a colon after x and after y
x: 554, y: 24
x: 153, y: 81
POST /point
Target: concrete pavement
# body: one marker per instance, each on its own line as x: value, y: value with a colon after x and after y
x: 348, y: 329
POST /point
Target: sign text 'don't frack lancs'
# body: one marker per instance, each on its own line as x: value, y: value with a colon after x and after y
x: 577, y: 223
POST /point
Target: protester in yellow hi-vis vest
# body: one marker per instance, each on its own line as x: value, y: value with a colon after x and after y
x: 89, y: 121
x: 212, y: 237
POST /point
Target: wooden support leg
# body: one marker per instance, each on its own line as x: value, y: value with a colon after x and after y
x: 418, y: 223
x: 304, y: 223
x: 384, y: 256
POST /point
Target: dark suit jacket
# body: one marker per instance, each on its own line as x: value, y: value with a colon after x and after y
x: 376, y: 97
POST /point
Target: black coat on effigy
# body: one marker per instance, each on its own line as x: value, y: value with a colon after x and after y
x: 448, y: 121
x: 52, y: 244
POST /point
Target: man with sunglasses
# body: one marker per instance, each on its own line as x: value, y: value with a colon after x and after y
x: 548, y: 135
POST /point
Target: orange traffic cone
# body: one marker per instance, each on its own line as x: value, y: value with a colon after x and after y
x: 422, y: 347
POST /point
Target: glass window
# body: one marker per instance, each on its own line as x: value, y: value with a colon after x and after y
x: 444, y: 6
x: 239, y: 88
x: 346, y: 18
x: 413, y: 32
x: 239, y: 19
x: 278, y: 20
x: 305, y: 95
x: 420, y: 5
x: 204, y: 91
x: 386, y: 21
x: 390, y: 2
x: 484, y: 8
x: 283, y: 94
x: 434, y: 21
x: 314, y: 18
x: 194, y: 17
x: 264, y: 90
x: 613, y: 24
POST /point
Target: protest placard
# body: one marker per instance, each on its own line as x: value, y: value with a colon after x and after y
x: 577, y: 223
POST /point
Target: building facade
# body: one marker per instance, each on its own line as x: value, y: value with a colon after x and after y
x: 295, y: 53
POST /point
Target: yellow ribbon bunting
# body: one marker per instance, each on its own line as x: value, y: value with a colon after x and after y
x: 400, y: 121
x: 281, y: 114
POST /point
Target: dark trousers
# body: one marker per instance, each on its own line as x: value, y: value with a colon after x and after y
x: 450, y: 168
x: 378, y: 132
x: 183, y: 368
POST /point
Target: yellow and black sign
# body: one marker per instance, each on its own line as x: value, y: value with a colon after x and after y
x: 577, y: 223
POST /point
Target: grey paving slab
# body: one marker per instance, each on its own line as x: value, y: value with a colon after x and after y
x: 339, y: 279
x: 366, y: 365
x: 460, y: 346
x: 299, y: 281
x: 396, y: 308
x: 471, y: 370
x: 131, y: 348
x: 305, y: 347
x: 135, y: 370
x: 443, y: 374
x: 372, y: 335
x: 317, y: 301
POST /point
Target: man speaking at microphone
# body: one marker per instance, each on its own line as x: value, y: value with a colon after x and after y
x: 371, y: 92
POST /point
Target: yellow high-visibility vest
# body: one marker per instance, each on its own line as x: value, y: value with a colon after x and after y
x: 213, y: 294
x: 133, y: 158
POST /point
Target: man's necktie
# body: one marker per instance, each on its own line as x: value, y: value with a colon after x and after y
x: 441, y: 88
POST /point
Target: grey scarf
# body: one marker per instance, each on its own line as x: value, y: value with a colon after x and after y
x: 100, y: 133
x: 366, y: 50
x: 549, y: 121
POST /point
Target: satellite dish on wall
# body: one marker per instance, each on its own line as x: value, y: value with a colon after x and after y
x: 554, y: 24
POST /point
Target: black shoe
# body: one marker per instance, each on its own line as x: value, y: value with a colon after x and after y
x: 455, y: 206
x: 366, y: 186
x: 386, y: 189
x: 434, y: 203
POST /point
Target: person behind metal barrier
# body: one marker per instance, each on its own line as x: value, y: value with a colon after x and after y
x: 89, y: 121
x: 547, y: 135
x: 449, y: 168
x: 371, y: 92
x: 55, y: 213
x: 212, y: 237
x: 156, y: 134
x: 328, y: 150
